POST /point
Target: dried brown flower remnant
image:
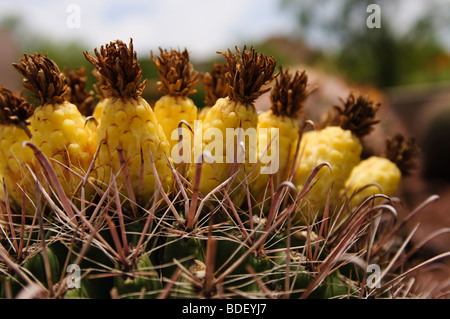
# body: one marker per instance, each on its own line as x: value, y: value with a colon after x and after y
x: 14, y: 109
x: 177, y: 74
x: 403, y: 152
x: 76, y: 90
x: 99, y: 86
x: 248, y: 72
x: 42, y: 77
x: 215, y: 83
x: 357, y: 114
x: 118, y: 64
x: 289, y: 93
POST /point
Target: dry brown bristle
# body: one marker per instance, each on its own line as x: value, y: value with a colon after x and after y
x: 14, y: 109
x: 289, y: 93
x: 403, y: 152
x: 42, y: 77
x: 248, y: 72
x: 76, y: 90
x: 177, y: 74
x: 215, y: 83
x: 99, y: 85
x: 356, y: 114
x: 118, y: 64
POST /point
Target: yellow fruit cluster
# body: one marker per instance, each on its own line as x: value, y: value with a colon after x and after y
x: 380, y: 171
x: 132, y: 143
x: 59, y: 131
x: 12, y: 167
x: 339, y: 144
x: 332, y: 145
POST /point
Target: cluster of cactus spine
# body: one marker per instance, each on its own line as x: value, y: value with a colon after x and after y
x: 94, y: 188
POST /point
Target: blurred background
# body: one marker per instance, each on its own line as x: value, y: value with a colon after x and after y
x: 397, y: 52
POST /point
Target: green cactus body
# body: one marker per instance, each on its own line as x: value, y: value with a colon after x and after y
x: 183, y: 250
x: 334, y: 287
x: 141, y: 282
x: 93, y: 265
x: 36, y: 266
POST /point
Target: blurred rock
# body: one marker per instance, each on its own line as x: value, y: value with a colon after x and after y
x: 9, y: 78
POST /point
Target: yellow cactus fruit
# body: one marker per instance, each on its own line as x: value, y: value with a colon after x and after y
x: 177, y: 79
x: 128, y: 124
x: 15, y: 112
x: 235, y: 116
x: 339, y: 145
x: 203, y: 112
x: 100, y: 92
x: 335, y: 146
x: 280, y: 125
x: 381, y: 174
x: 58, y: 128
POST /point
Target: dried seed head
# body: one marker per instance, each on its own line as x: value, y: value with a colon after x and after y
x: 248, y: 72
x: 99, y: 85
x: 42, y: 77
x: 356, y: 115
x: 119, y: 67
x: 215, y: 83
x: 177, y: 74
x: 76, y: 90
x: 289, y: 93
x: 14, y: 109
x: 402, y: 152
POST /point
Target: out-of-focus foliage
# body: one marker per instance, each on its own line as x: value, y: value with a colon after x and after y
x: 379, y: 56
x: 384, y: 56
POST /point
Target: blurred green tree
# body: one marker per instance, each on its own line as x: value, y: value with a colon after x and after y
x: 393, y: 54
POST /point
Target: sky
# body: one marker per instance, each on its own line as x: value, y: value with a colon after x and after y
x: 202, y: 26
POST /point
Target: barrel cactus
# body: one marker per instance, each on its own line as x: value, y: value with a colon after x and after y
x: 175, y: 239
